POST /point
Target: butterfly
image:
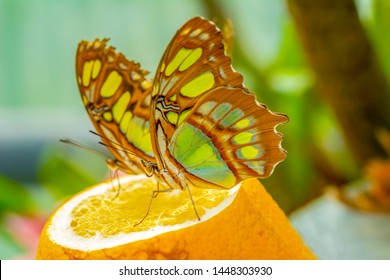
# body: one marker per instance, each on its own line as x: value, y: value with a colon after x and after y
x: 195, y: 124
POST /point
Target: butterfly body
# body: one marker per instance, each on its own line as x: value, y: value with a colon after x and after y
x: 194, y: 125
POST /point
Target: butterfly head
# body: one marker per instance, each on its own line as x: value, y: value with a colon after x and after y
x: 150, y: 168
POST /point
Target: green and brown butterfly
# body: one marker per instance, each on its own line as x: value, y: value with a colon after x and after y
x: 194, y: 125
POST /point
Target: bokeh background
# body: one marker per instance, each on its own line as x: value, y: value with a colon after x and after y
x: 280, y: 58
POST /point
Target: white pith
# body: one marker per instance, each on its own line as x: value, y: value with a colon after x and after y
x: 60, y: 230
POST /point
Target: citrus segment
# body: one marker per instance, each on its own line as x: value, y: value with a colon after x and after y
x: 242, y: 223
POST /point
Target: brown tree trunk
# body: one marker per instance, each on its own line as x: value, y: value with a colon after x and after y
x: 347, y: 71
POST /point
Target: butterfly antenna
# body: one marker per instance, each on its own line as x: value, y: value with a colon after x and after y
x: 114, y: 145
x: 76, y: 144
x: 118, y: 148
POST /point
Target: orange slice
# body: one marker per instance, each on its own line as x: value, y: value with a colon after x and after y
x: 241, y: 223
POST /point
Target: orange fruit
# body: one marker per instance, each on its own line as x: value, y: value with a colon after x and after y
x: 241, y: 223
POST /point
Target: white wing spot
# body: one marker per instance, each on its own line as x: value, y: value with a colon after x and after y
x: 196, y: 32
x: 123, y: 66
x: 204, y: 36
x: 212, y: 58
x: 110, y: 58
x: 222, y: 73
x: 135, y: 77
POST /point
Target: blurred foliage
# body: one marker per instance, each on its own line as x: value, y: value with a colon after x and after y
x: 41, y: 39
x: 378, y: 28
x: 64, y: 173
x: 11, y: 192
x: 9, y: 247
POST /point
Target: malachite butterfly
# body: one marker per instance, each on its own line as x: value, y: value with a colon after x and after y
x: 195, y: 124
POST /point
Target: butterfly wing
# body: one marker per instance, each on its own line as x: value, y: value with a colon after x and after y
x: 116, y: 95
x: 227, y: 137
x: 205, y: 122
x: 193, y: 64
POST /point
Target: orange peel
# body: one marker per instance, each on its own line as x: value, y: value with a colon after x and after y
x: 243, y: 223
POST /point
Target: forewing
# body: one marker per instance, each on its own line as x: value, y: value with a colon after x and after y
x: 193, y: 64
x: 117, y: 97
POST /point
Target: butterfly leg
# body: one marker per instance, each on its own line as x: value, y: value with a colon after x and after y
x: 154, y: 195
x: 113, y: 177
x: 192, y: 201
x: 184, y: 185
x: 156, y: 192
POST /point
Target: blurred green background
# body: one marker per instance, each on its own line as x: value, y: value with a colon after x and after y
x: 40, y: 103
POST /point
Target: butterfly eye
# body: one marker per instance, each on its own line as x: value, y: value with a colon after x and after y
x: 150, y: 167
